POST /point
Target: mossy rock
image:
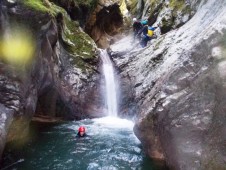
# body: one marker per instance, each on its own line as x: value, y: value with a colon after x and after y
x: 167, y: 24
x: 43, y: 6
x: 132, y: 6
x: 68, y: 5
x: 76, y: 42
x: 179, y: 6
x: 90, y: 3
x: 154, y: 6
x: 77, y: 10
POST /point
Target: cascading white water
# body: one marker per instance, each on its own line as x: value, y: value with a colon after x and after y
x: 111, y: 93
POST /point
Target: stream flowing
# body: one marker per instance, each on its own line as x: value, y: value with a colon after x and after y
x: 110, y: 145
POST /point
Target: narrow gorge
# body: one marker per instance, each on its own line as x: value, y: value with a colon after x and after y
x: 52, y: 59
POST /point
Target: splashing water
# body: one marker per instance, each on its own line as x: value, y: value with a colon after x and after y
x: 110, y: 145
x: 110, y: 84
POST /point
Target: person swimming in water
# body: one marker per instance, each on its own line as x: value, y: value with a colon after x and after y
x: 81, y: 132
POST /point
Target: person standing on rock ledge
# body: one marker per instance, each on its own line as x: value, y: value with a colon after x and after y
x: 137, y: 26
x: 81, y: 132
x: 147, y: 34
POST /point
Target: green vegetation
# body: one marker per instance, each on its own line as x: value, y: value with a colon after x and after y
x: 167, y: 22
x: 153, y: 6
x: 38, y: 5
x: 177, y: 4
x: 90, y: 3
x: 77, y: 43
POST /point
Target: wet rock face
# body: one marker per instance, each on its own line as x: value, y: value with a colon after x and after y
x: 61, y: 81
x: 179, y: 88
x: 168, y: 14
x: 102, y: 19
x: 78, y: 10
x: 92, y: 13
x: 104, y: 23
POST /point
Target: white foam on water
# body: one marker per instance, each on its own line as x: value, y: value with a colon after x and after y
x: 114, y: 122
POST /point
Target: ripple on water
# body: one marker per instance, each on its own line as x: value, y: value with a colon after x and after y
x: 111, y: 145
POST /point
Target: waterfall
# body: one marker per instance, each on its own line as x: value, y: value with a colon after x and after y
x: 111, y: 94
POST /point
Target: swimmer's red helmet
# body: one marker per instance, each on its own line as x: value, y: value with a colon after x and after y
x: 82, y: 129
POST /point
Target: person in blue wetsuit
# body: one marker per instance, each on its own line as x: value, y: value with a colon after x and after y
x: 147, y: 34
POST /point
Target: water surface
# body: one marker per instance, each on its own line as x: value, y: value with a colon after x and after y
x: 110, y: 145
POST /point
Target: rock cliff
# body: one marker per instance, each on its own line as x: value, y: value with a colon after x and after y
x: 168, y: 14
x: 62, y: 80
x: 176, y: 89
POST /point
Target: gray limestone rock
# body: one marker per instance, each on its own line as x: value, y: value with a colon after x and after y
x: 178, y: 89
x: 62, y: 80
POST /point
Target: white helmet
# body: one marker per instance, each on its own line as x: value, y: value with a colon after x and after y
x: 134, y: 19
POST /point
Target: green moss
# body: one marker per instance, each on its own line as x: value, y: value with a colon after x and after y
x: 177, y: 4
x: 154, y: 4
x: 75, y: 41
x: 79, y: 44
x: 167, y: 22
x: 90, y: 3
x: 41, y: 6
x: 36, y: 4
x: 187, y: 10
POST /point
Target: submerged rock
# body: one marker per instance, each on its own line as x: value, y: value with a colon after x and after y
x: 178, y: 88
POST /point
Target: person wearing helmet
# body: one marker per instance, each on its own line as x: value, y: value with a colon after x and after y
x: 147, y: 34
x: 81, y: 132
x: 136, y: 27
x: 144, y: 28
x: 144, y: 22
